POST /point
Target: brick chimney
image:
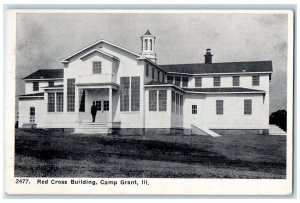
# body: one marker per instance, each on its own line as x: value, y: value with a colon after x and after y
x: 208, y: 57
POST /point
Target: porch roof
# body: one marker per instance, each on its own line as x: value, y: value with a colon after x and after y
x: 97, y: 85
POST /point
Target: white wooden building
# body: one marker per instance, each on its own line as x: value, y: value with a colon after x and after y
x: 135, y: 95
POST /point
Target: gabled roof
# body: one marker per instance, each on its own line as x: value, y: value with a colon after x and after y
x: 66, y: 60
x: 229, y: 67
x: 99, y: 51
x: 46, y: 74
x: 148, y: 33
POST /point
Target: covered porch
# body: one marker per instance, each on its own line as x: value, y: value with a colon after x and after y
x: 105, y: 97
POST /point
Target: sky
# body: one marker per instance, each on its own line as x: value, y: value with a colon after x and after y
x: 43, y: 39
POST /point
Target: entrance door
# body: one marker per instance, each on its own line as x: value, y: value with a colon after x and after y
x: 102, y: 107
x: 32, y: 115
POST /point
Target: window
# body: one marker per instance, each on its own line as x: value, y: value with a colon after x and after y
x: 146, y: 44
x: 124, y: 93
x: 219, y: 107
x: 177, y: 81
x: 152, y: 100
x: 51, y: 102
x: 248, y: 106
x: 194, y: 109
x: 51, y: 83
x: 177, y: 103
x: 170, y: 79
x: 105, y: 105
x: 147, y: 70
x: 185, y: 81
x: 98, y: 105
x: 59, y: 102
x: 35, y: 86
x: 71, y: 95
x: 82, y: 101
x: 150, y: 44
x: 153, y: 74
x: 217, y: 81
x: 32, y: 114
x: 135, y: 93
x: 173, y: 102
x: 163, y: 77
x: 255, y: 80
x: 162, y: 100
x: 97, y: 67
x: 157, y: 75
x: 235, y: 80
x: 181, y: 104
x: 198, y: 82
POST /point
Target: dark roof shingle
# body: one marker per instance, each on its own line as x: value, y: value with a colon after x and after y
x: 230, y: 67
x: 40, y: 94
x: 45, y: 74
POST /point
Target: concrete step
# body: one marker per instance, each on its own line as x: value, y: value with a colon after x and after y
x: 275, y: 130
x: 92, y: 131
x: 200, y: 130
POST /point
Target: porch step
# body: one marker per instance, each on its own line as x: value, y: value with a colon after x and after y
x: 196, y: 129
x: 92, y: 128
x: 275, y: 130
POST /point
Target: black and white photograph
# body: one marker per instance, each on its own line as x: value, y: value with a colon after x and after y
x: 126, y: 98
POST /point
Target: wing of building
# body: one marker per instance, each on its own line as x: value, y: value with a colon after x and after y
x: 135, y: 95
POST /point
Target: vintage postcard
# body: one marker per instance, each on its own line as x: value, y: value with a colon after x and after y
x: 162, y: 102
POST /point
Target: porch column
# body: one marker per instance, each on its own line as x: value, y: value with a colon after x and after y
x: 110, y: 115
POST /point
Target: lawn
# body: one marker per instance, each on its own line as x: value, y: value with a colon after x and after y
x: 53, y: 153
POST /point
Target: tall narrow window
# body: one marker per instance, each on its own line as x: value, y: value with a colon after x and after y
x: 82, y: 101
x: 162, y: 100
x: 135, y: 93
x: 71, y: 95
x: 163, y: 77
x: 147, y: 70
x: 181, y: 104
x: 105, y: 105
x: 177, y: 103
x: 59, y: 102
x: 185, y: 81
x: 248, y: 106
x: 194, y: 109
x: 35, y: 86
x: 32, y: 114
x: 217, y: 81
x: 198, y: 81
x: 177, y: 81
x: 97, y: 67
x: 98, y: 105
x: 150, y: 44
x: 235, y: 80
x: 146, y: 44
x: 152, y: 100
x: 255, y: 80
x: 170, y: 79
x: 124, y: 93
x: 51, y: 102
x: 153, y: 73
x: 173, y: 102
x: 219, y: 107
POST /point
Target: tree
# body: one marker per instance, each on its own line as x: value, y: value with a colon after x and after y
x: 279, y: 118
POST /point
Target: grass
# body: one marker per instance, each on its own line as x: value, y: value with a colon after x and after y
x: 50, y: 153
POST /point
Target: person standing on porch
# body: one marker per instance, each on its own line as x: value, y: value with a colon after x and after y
x: 93, y: 111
